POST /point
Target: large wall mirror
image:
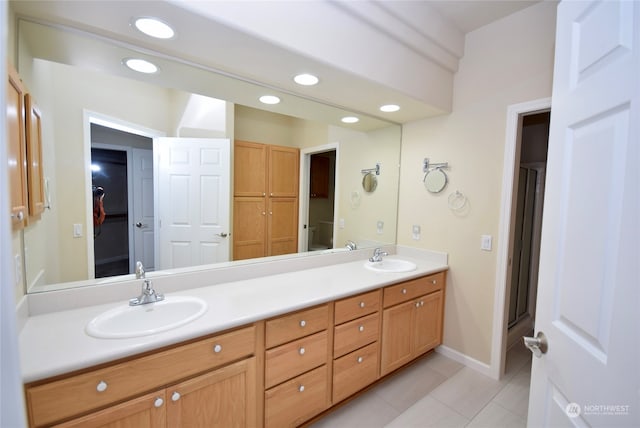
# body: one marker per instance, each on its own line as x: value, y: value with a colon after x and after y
x: 78, y: 80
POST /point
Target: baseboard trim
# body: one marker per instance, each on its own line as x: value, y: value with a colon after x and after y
x: 468, y: 361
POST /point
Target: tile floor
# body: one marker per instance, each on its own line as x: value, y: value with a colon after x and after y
x: 439, y: 392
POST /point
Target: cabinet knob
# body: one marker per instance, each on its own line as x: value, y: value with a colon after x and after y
x: 19, y: 216
x: 102, y: 386
x: 303, y: 323
x: 301, y: 351
x: 264, y: 213
x: 159, y: 402
x: 270, y: 212
x: 362, y: 304
x: 264, y: 194
x: 421, y: 302
x: 417, y: 304
x: 361, y: 328
x: 301, y: 388
x: 404, y: 291
x: 271, y: 194
x: 360, y: 359
x: 217, y: 348
x: 434, y: 281
x: 175, y: 396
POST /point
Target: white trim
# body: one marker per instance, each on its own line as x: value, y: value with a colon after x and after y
x: 472, y: 363
x: 303, y: 206
x: 499, y: 331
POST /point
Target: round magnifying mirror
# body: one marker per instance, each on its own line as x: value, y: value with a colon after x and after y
x: 369, y: 182
x: 435, y: 180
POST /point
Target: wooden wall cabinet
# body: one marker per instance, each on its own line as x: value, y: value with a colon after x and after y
x: 265, y: 203
x: 17, y: 152
x: 35, y: 175
x: 411, y: 320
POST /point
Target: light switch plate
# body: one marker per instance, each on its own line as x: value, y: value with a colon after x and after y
x: 415, y: 232
x: 486, y: 242
x: 380, y: 227
x: 77, y: 230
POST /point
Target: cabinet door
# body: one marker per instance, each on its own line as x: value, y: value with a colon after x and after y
x: 283, y: 226
x: 249, y: 169
x: 224, y: 398
x: 16, y: 156
x: 148, y: 411
x: 428, y: 322
x: 397, y: 336
x: 35, y: 176
x: 283, y: 172
x: 249, y: 228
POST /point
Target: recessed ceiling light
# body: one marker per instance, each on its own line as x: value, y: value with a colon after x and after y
x: 350, y: 119
x: 154, y: 27
x: 141, y: 65
x: 389, y: 108
x: 306, y: 79
x: 269, y: 99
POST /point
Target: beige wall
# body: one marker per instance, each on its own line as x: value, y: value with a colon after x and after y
x: 507, y: 62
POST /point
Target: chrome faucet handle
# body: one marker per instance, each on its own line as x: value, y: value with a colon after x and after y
x: 140, y: 272
x: 147, y: 295
x: 351, y: 245
x: 378, y: 253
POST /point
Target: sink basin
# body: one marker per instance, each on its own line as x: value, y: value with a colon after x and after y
x: 135, y: 321
x: 391, y: 265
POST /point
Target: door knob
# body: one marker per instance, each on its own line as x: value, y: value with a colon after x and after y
x: 223, y: 235
x: 140, y: 225
x: 537, y: 345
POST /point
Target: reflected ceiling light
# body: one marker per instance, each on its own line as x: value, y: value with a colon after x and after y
x: 389, y: 108
x: 269, y: 99
x: 306, y: 79
x: 350, y: 119
x: 95, y: 167
x: 154, y: 27
x: 141, y: 65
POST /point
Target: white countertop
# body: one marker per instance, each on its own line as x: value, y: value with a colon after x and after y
x: 56, y: 343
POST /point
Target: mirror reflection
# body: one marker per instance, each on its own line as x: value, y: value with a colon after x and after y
x: 435, y: 180
x: 86, y: 114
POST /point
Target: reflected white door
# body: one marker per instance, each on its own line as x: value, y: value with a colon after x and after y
x: 192, y: 194
x: 589, y: 282
x: 142, y: 216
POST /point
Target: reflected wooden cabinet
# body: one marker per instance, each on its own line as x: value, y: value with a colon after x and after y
x: 24, y: 154
x: 265, y: 203
x: 17, y: 153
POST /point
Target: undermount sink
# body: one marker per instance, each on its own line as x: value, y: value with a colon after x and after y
x: 391, y: 265
x: 135, y: 321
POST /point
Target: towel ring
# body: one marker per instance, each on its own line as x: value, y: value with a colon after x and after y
x: 457, y: 201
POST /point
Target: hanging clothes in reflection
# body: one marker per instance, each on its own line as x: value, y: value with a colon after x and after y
x: 98, y: 209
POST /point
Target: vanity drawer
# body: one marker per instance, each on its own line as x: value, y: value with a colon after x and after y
x: 410, y: 289
x: 289, y: 360
x: 293, y: 326
x: 355, y: 334
x: 354, y: 371
x: 67, y: 397
x: 357, y: 306
x: 298, y: 400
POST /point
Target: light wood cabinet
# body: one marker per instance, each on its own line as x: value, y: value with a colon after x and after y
x: 265, y: 213
x: 411, y: 323
x: 17, y: 152
x: 64, y: 398
x: 297, y: 376
x: 35, y: 175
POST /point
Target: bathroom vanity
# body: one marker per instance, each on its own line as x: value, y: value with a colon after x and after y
x: 273, y: 351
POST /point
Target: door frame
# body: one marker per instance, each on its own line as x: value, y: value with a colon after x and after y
x: 89, y: 117
x: 305, y: 182
x: 515, y: 112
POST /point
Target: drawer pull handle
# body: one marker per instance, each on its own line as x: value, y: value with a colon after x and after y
x: 175, y: 396
x: 301, y: 388
x: 362, y: 304
x: 360, y: 359
x: 217, y: 348
x: 361, y: 328
x: 159, y: 402
x: 301, y: 351
x: 102, y: 386
x: 404, y: 291
x: 303, y: 323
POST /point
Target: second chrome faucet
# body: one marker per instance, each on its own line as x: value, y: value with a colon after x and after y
x: 148, y: 294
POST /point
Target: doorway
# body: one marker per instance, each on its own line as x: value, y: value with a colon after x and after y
x: 318, y: 193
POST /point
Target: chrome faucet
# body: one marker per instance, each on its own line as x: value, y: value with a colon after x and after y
x: 377, y: 255
x: 148, y: 294
x: 351, y: 245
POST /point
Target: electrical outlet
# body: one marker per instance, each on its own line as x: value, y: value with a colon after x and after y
x: 380, y: 227
x: 485, y: 242
x: 415, y: 232
x: 341, y: 223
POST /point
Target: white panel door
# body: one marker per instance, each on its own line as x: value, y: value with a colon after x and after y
x: 588, y: 297
x: 143, y: 216
x: 193, y: 201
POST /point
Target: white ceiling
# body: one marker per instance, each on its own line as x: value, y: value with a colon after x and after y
x: 366, y: 53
